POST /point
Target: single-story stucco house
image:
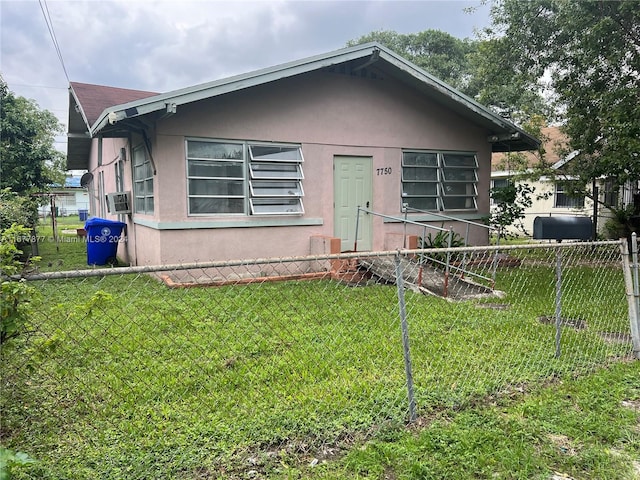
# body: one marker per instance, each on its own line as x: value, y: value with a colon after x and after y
x: 276, y: 162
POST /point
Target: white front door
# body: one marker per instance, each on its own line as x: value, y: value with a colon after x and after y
x: 352, y: 188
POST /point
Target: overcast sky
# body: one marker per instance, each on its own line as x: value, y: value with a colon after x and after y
x: 166, y: 45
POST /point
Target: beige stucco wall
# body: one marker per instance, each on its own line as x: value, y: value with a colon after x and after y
x: 328, y: 114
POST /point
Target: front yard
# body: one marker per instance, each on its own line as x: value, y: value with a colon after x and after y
x: 122, y: 377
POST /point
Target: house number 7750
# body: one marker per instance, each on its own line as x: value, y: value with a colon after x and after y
x: 383, y: 171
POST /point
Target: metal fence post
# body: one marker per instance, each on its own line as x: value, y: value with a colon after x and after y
x: 405, y: 340
x: 463, y: 266
x: 636, y: 282
x: 632, y: 288
x: 558, y: 300
x: 495, y: 261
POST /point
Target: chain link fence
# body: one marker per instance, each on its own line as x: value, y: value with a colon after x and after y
x: 220, y: 370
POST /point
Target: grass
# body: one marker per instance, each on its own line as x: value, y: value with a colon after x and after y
x: 121, y: 377
x: 69, y: 252
x: 579, y: 428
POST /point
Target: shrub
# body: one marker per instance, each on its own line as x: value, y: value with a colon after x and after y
x: 16, y: 294
x: 441, y: 240
x: 17, y: 209
x: 621, y: 225
x: 9, y: 460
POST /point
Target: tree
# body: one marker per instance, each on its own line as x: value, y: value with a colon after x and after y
x: 590, y: 51
x: 28, y: 159
x: 17, y: 209
x: 502, y: 87
x: 471, y: 66
x: 439, y: 53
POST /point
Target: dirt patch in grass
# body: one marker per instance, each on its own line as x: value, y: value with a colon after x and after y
x: 631, y: 404
x: 615, y: 337
x: 564, y: 444
x: 577, y: 323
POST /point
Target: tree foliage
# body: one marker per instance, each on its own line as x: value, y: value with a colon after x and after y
x: 501, y: 86
x: 439, y: 53
x: 17, y: 209
x: 472, y: 66
x: 29, y: 161
x: 590, y: 51
x: 15, y: 296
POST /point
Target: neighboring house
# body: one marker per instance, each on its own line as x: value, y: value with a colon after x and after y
x: 69, y: 199
x: 551, y: 197
x: 275, y: 163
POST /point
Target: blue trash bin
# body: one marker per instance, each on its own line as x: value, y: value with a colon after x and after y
x: 102, y: 240
x: 83, y: 214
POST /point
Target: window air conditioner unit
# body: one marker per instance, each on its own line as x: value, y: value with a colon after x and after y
x: 119, y: 202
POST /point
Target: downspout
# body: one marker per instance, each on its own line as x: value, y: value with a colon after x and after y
x: 147, y: 144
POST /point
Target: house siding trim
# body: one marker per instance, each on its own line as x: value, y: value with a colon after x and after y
x: 216, y: 224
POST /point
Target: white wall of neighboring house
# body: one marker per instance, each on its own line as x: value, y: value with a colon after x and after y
x: 68, y: 203
x: 547, y: 201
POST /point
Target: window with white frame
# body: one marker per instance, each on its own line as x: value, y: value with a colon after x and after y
x: 69, y: 200
x: 439, y: 180
x: 142, y: 181
x: 565, y: 197
x: 244, y: 178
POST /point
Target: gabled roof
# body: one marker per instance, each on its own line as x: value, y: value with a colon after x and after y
x: 504, y: 135
x: 86, y: 104
x: 92, y: 100
x: 563, y: 161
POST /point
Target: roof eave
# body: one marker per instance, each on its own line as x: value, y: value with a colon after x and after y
x: 78, y: 108
x: 176, y: 98
x: 524, y: 142
x: 168, y: 101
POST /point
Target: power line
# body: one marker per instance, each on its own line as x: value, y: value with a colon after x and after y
x: 36, y: 86
x: 47, y: 19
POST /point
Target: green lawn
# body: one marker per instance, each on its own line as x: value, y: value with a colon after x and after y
x: 67, y: 250
x: 586, y: 427
x: 121, y: 377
